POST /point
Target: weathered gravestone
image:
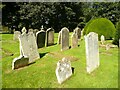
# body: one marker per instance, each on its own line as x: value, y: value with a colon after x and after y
x: 63, y: 70
x: 49, y: 37
x: 64, y: 39
x: 40, y: 36
x: 59, y: 38
x: 16, y: 35
x: 74, y: 40
x: 107, y: 47
x: 92, y: 51
x: 30, y: 30
x: 28, y: 50
x: 102, y: 39
x: 77, y: 30
x: 35, y: 31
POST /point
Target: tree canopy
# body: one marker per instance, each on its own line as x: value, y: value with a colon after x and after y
x: 57, y: 14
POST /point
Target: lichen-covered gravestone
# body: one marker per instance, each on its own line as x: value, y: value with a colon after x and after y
x: 74, y: 40
x: 92, y: 51
x: 63, y: 70
x: 16, y: 35
x: 64, y: 39
x: 59, y: 38
x: 102, y: 39
x: 77, y: 30
x: 49, y: 37
x: 40, y: 36
x: 28, y: 50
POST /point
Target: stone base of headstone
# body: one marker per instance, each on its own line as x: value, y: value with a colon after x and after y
x: 21, y: 61
x: 63, y: 70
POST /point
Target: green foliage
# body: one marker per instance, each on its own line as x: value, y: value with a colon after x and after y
x: 109, y: 10
x: 117, y: 35
x: 101, y: 26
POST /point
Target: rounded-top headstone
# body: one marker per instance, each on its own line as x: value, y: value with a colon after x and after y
x: 64, y: 39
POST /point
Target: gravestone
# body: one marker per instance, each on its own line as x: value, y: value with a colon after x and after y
x: 74, y: 40
x: 92, y: 51
x: 63, y: 70
x: 40, y: 36
x: 33, y: 48
x: 30, y: 30
x: 102, y: 39
x: 64, y: 39
x: 59, y: 38
x: 20, y: 62
x: 35, y: 31
x: 28, y: 50
x: 107, y: 47
x: 16, y: 35
x: 77, y: 30
x: 49, y: 37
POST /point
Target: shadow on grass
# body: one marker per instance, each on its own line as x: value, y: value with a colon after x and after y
x: 73, y: 69
x: 42, y: 54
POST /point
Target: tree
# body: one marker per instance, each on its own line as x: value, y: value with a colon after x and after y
x: 117, y: 35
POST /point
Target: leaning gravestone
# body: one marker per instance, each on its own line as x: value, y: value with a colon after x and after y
x: 59, y: 38
x: 74, y: 42
x: 64, y: 39
x: 49, y: 37
x: 77, y: 30
x: 102, y: 39
x: 63, y: 70
x: 16, y: 35
x: 28, y: 50
x: 40, y: 36
x: 92, y: 51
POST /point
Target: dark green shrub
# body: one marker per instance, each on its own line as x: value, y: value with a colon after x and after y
x: 101, y: 26
x: 117, y: 34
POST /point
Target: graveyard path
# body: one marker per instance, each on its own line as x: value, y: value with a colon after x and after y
x: 60, y: 56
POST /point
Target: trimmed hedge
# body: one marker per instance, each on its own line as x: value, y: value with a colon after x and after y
x: 101, y: 26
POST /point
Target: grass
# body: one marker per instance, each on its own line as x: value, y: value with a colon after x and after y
x: 41, y: 74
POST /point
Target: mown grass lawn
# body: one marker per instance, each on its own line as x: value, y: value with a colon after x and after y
x: 41, y: 74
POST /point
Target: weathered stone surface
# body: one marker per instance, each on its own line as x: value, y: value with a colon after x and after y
x: 107, y: 47
x: 40, y: 36
x: 102, y: 39
x: 77, y: 30
x: 28, y: 48
x: 21, y: 61
x: 16, y: 35
x: 32, y: 48
x: 92, y: 51
x: 74, y: 40
x: 64, y: 39
x: 30, y: 30
x: 63, y: 70
x: 49, y: 37
x: 35, y: 31
x: 59, y: 38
